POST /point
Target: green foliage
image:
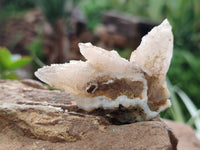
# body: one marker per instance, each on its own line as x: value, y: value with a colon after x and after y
x: 192, y: 109
x: 184, y: 72
x: 9, y: 63
x: 56, y: 9
x: 93, y: 10
x: 126, y: 53
x: 176, y: 111
x: 183, y: 15
x: 36, y: 50
x: 19, y: 4
x: 14, y: 8
x: 10, y: 12
x: 53, y: 9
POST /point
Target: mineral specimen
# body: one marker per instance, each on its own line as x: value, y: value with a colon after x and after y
x: 124, y: 90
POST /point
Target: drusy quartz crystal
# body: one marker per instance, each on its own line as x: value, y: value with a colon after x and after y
x: 127, y: 90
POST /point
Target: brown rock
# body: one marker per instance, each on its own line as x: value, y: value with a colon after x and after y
x: 32, y: 117
x: 120, y: 30
x: 185, y: 135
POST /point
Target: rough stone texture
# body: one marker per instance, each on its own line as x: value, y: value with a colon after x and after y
x: 148, y: 135
x: 32, y: 117
x: 185, y: 135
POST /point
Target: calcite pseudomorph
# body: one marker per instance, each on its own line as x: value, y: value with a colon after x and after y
x: 126, y: 90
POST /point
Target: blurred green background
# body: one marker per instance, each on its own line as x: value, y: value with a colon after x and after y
x: 38, y: 28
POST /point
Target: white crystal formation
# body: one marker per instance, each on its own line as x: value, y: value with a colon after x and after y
x: 107, y: 81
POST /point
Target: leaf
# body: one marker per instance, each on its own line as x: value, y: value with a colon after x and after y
x: 9, y: 75
x: 175, y: 109
x: 6, y: 62
x: 191, y: 108
x: 5, y: 58
x: 20, y: 63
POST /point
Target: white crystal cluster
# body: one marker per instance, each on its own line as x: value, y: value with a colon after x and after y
x: 106, y: 80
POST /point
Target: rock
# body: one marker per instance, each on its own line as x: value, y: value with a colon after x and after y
x: 32, y: 117
x: 148, y: 135
x: 121, y: 30
x: 186, y: 136
x: 128, y: 26
x: 135, y: 88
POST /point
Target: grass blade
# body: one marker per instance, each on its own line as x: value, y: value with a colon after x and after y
x: 191, y: 108
x: 175, y: 109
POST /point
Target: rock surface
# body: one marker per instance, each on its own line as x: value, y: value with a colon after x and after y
x: 121, y: 30
x: 33, y: 117
x: 185, y: 134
